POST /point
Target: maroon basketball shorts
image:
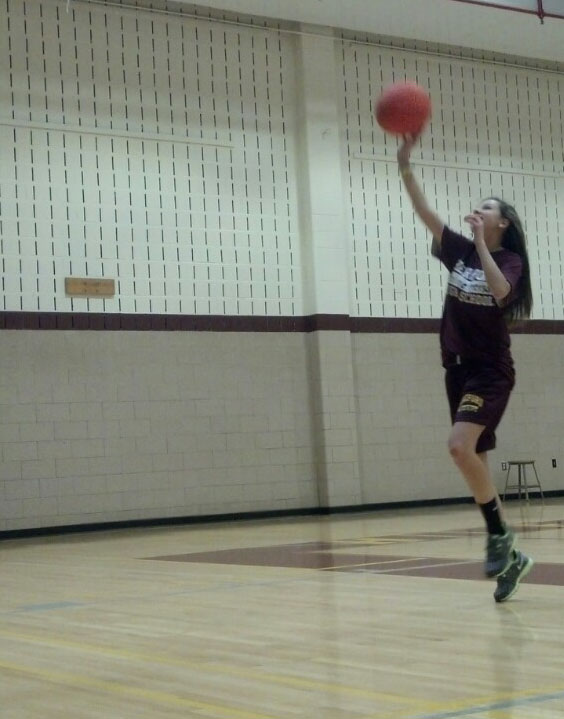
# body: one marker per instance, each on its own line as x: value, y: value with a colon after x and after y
x: 478, y: 394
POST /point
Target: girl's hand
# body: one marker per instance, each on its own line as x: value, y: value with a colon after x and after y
x: 476, y: 222
x: 404, y: 150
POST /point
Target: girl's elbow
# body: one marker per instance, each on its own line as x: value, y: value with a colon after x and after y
x: 503, y: 295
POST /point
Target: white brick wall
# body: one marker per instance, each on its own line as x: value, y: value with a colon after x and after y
x: 404, y: 422
x: 246, y: 443
x: 225, y: 428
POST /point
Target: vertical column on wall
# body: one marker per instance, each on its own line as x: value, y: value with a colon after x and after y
x: 326, y: 274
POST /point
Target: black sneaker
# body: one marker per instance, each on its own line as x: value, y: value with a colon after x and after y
x: 498, y: 553
x: 508, y: 582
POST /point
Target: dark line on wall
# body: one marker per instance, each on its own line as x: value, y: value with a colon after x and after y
x: 239, y: 323
x: 247, y: 516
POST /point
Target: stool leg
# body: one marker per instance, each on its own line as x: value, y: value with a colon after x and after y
x: 525, y: 485
x: 538, y: 482
x: 506, y: 481
x: 519, y: 480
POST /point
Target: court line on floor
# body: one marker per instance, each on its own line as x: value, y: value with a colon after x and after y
x: 213, y: 668
x: 308, y: 575
x: 428, y: 566
x: 131, y: 692
x: 377, y: 563
x: 391, y: 570
x: 507, y: 704
x: 49, y: 606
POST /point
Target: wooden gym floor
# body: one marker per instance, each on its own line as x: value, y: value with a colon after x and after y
x: 366, y: 616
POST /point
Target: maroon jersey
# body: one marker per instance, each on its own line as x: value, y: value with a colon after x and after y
x: 473, y: 326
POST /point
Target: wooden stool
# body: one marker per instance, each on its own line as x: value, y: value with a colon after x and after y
x: 522, y: 485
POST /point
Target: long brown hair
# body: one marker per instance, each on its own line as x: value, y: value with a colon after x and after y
x: 514, y: 239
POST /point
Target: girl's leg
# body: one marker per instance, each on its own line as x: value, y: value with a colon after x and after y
x: 474, y: 468
x: 462, y: 447
x: 484, y: 458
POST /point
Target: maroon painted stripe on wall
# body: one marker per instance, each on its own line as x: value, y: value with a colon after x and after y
x: 160, y: 323
x: 237, y: 323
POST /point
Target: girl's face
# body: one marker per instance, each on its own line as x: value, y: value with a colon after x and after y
x: 494, y: 222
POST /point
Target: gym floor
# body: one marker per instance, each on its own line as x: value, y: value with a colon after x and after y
x: 371, y: 616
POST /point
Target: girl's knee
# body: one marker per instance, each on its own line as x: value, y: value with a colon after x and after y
x: 460, y: 448
x: 462, y: 441
x: 456, y: 448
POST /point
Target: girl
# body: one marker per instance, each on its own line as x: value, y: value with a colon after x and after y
x: 488, y: 285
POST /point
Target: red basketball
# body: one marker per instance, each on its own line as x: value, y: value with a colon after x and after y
x: 403, y: 108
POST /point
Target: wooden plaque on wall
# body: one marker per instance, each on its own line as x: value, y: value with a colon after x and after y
x: 89, y: 287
